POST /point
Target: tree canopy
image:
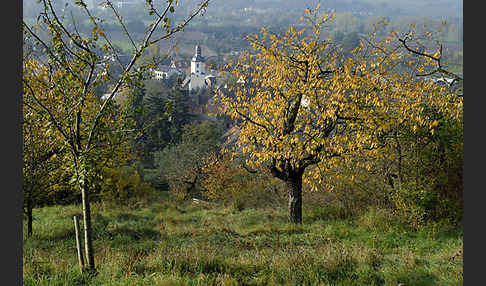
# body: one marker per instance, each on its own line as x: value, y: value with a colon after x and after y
x: 303, y: 104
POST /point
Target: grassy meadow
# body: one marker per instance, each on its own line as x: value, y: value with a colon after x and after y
x: 168, y: 243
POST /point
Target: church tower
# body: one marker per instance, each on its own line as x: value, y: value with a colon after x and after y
x: 197, y: 63
x: 198, y: 71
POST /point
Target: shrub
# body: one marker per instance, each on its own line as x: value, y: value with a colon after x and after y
x: 418, y: 173
x: 229, y: 183
x: 432, y: 172
x: 181, y: 164
x: 119, y: 185
x: 352, y: 187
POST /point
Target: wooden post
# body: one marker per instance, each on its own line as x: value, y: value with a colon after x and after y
x: 78, y: 243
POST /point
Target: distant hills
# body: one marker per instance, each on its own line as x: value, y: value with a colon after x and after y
x: 427, y: 8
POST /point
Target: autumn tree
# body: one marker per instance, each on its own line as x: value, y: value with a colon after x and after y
x: 41, y: 154
x: 72, y: 65
x: 302, y: 106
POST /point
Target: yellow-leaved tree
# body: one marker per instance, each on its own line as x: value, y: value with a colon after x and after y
x: 300, y: 106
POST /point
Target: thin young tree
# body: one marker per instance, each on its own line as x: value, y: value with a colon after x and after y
x: 73, y: 64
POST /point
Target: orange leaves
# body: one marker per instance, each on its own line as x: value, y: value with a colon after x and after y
x: 391, y: 37
x: 97, y: 31
x: 303, y: 100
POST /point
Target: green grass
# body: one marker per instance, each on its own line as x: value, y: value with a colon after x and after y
x: 159, y: 244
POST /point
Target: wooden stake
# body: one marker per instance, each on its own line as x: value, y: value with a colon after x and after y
x: 78, y: 243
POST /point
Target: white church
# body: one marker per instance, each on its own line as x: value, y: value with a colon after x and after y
x: 199, y: 76
x: 198, y: 70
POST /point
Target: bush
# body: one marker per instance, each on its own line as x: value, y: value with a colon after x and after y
x: 119, y: 185
x: 228, y: 183
x: 61, y: 192
x: 351, y: 186
x: 418, y: 173
x: 181, y: 164
x: 432, y: 171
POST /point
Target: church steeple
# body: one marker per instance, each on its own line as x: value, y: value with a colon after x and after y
x: 197, y: 62
x: 197, y: 56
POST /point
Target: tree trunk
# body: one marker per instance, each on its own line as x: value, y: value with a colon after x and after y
x: 294, y: 190
x: 29, y: 215
x: 88, y: 242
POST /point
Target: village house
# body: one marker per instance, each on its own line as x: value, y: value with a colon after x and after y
x: 164, y: 72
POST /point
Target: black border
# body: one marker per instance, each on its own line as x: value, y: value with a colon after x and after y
x: 11, y: 116
x: 474, y: 202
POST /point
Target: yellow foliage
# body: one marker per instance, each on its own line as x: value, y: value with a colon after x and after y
x: 303, y: 103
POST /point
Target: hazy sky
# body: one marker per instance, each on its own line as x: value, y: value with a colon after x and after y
x: 435, y: 8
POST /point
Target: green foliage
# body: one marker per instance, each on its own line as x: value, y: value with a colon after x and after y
x: 181, y: 164
x: 162, y: 113
x: 238, y: 204
x: 419, y: 173
x: 120, y: 185
x: 61, y: 191
x: 206, y: 134
x: 432, y: 186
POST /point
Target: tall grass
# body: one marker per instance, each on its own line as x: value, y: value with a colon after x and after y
x: 167, y: 244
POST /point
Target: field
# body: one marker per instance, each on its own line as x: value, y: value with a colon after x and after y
x: 164, y: 243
